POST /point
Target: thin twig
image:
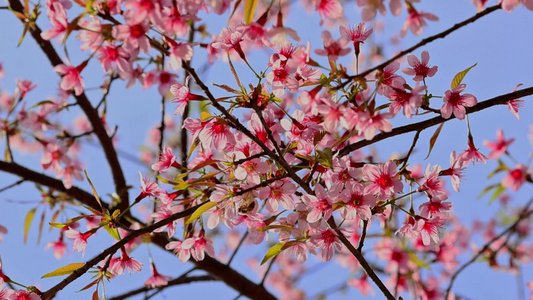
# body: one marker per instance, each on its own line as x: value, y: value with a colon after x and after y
x: 177, y: 281
x: 12, y: 185
x: 241, y: 242
x: 424, y: 42
x: 406, y: 158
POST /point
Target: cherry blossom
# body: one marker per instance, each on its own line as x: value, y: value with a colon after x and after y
x: 356, y: 34
x: 156, y: 280
x: 499, y: 147
x: 456, y: 103
x: 416, y: 21
x: 420, y: 69
x: 72, y: 79
x: 166, y: 161
x: 382, y: 179
x: 515, y: 178
x: 80, y: 239
x: 125, y: 263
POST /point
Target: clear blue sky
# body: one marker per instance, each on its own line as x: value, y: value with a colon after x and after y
x: 500, y: 44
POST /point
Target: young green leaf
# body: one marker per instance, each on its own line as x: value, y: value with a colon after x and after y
x: 27, y: 223
x: 276, y: 249
x: 459, y: 76
x: 202, y: 209
x: 66, y: 270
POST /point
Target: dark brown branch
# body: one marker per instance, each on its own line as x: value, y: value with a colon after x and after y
x: 525, y: 213
x: 502, y: 99
x: 363, y: 236
x: 90, y: 112
x: 425, y: 41
x: 214, y: 267
x: 173, y: 282
x: 49, y: 294
x: 362, y: 261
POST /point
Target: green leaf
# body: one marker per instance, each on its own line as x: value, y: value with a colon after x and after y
x: 487, y: 189
x: 434, y: 138
x: 459, y: 77
x: 268, y: 227
x: 27, y: 223
x: 276, y: 249
x: 420, y: 263
x: 202, y: 209
x: 249, y: 9
x: 66, y: 270
x: 496, y: 193
x: 113, y: 232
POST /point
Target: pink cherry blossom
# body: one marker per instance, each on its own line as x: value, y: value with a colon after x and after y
x: 199, y: 246
x: 456, y: 103
x: 499, y: 147
x: 125, y: 263
x: 416, y: 21
x: 72, y: 79
x: 471, y: 154
x: 515, y: 178
x: 382, y: 179
x: 182, y: 253
x: 58, y: 19
x: 403, y: 99
x: 80, y: 239
x: 362, y: 284
x: 420, y: 69
x: 329, y: 9
x: 332, y: 49
x: 356, y: 34
x: 133, y: 34
x: 430, y: 229
x: 59, y: 247
x: 156, y: 280
x: 455, y: 171
x: 166, y: 161
x: 327, y: 241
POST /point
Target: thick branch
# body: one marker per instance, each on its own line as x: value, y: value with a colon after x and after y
x: 502, y: 99
x: 90, y: 112
x: 214, y: 267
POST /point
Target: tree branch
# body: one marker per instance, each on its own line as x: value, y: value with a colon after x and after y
x: 214, y: 267
x: 90, y: 112
x: 436, y: 120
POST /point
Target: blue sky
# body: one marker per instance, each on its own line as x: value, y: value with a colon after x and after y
x: 500, y: 44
